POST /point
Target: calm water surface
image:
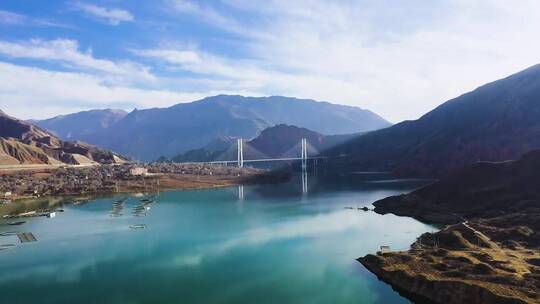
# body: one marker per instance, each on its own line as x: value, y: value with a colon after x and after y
x: 276, y: 245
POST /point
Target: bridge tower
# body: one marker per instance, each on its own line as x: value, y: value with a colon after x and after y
x: 304, y: 154
x: 240, y: 144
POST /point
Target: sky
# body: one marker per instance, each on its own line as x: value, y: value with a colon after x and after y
x: 399, y: 59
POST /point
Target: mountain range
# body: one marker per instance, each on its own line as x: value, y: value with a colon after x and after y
x: 495, y: 122
x: 150, y: 133
x: 24, y: 143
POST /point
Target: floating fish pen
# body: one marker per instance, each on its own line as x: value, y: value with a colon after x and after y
x: 49, y: 214
x: 26, y: 237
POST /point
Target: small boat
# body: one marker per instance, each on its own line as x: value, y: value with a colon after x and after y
x: 16, y: 223
x: 137, y: 226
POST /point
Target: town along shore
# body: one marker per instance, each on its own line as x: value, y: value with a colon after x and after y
x: 29, y: 185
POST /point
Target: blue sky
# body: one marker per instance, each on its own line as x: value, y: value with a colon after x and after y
x: 397, y: 58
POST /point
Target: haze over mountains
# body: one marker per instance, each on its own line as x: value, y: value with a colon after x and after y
x: 498, y: 121
x: 24, y: 143
x: 150, y: 133
x: 83, y: 124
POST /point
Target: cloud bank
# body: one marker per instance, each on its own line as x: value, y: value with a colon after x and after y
x: 398, y: 59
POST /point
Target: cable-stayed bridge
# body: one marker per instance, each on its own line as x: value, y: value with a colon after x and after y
x: 227, y: 158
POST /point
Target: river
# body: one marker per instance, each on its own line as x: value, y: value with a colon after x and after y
x: 282, y: 243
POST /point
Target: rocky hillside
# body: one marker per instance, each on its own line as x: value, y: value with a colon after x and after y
x: 498, y: 121
x: 490, y: 253
x: 149, y: 133
x: 481, y: 190
x: 24, y: 143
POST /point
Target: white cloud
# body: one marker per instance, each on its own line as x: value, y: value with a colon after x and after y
x: 67, y: 52
x: 208, y: 14
x: 7, y: 17
x: 171, y: 55
x: 112, y: 15
x: 39, y: 93
x: 400, y: 60
x: 11, y: 18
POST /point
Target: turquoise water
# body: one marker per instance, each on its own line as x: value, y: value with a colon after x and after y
x: 276, y: 245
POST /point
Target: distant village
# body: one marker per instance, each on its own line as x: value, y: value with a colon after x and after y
x: 108, y: 178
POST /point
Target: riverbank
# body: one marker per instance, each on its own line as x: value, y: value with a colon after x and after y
x: 474, y: 262
x: 32, y: 187
x: 489, y: 252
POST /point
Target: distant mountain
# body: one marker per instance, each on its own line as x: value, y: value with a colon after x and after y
x: 24, y: 143
x: 148, y: 134
x: 274, y: 142
x: 284, y: 141
x: 81, y: 125
x: 498, y: 121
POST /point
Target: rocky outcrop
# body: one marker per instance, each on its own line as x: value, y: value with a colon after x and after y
x: 485, y: 261
x: 24, y: 143
x: 422, y: 288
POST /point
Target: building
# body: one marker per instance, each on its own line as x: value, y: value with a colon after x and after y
x: 385, y: 249
x: 138, y: 171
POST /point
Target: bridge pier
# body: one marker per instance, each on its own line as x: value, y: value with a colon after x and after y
x: 240, y: 144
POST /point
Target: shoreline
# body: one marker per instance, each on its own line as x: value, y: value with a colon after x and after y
x: 150, y: 183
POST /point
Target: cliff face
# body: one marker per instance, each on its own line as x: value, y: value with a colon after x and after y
x: 24, y: 143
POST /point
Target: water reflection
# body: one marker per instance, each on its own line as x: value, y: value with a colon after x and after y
x: 197, y: 247
x: 304, y: 181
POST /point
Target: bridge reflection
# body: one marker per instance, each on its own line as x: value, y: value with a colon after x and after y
x: 305, y: 188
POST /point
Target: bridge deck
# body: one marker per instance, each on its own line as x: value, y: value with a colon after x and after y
x: 254, y: 160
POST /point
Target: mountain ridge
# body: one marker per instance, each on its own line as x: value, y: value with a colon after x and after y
x: 149, y: 133
x: 80, y: 124
x: 495, y: 122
